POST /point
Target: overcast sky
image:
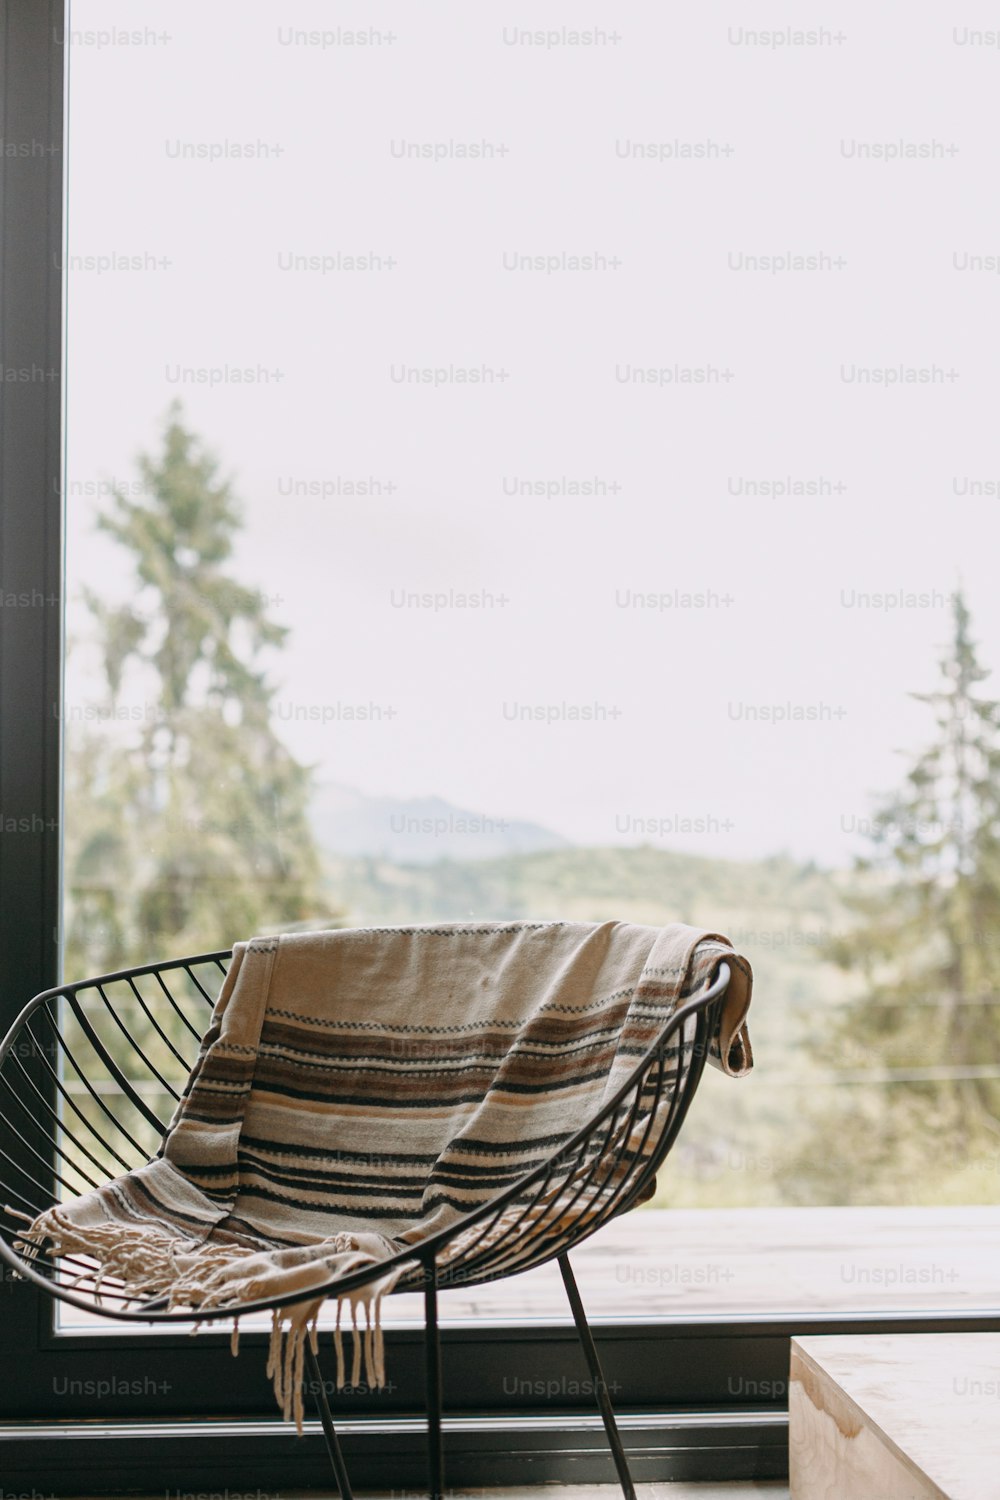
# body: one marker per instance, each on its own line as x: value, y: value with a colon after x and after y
x: 450, y: 145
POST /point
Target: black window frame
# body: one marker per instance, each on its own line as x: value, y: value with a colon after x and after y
x: 703, y: 1398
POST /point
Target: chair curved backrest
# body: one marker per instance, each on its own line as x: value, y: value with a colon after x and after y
x: 90, y: 1074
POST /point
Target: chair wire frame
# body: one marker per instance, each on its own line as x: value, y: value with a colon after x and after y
x: 90, y: 1075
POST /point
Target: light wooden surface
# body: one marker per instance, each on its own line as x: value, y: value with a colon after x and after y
x: 659, y: 1263
x: 662, y: 1263
x: 895, y: 1417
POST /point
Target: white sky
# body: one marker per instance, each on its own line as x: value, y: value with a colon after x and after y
x: 677, y: 675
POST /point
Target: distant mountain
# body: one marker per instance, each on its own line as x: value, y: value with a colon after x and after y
x: 776, y: 910
x: 418, y: 830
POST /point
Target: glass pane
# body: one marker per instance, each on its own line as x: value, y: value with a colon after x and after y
x: 514, y: 473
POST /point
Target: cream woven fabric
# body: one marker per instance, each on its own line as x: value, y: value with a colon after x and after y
x: 359, y: 1090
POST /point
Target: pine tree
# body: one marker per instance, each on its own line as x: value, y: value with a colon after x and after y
x: 186, y: 816
x: 926, y: 946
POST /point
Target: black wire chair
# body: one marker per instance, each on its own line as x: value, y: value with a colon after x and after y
x: 90, y: 1074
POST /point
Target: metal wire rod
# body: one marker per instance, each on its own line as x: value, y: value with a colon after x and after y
x: 329, y: 1431
x: 597, y: 1376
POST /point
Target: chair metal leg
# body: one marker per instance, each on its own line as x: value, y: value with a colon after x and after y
x: 597, y: 1376
x: 435, y: 1449
x: 329, y: 1431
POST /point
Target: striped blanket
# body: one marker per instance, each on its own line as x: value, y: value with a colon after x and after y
x: 359, y: 1090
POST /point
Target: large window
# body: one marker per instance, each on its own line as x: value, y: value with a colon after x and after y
x: 528, y: 469
x: 597, y: 503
